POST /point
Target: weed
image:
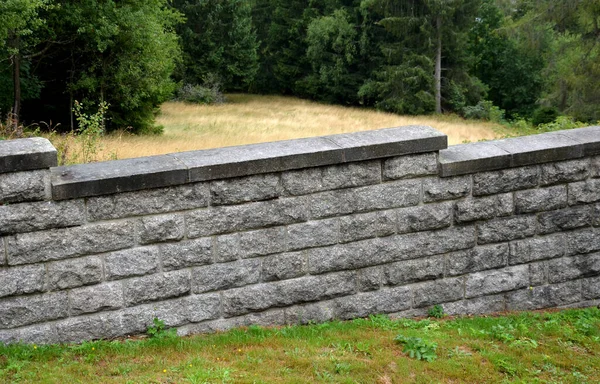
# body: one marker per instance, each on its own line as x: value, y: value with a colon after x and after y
x: 159, y: 331
x: 418, y: 348
x: 506, y: 367
x: 436, y: 311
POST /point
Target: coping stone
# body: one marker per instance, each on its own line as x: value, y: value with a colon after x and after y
x: 26, y: 155
x: 543, y: 148
x: 589, y: 137
x: 471, y: 158
x: 103, y: 178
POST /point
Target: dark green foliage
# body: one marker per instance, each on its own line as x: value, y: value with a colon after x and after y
x: 418, y: 348
x: 544, y: 115
x: 436, y: 311
x: 209, y: 93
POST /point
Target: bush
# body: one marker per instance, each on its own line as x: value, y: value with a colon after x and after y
x: 544, y: 115
x: 561, y: 123
x: 208, y: 93
x: 484, y: 110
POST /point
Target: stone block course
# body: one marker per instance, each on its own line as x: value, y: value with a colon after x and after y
x: 155, y: 229
x: 263, y: 242
x: 367, y: 225
x: 18, y: 187
x: 225, y: 276
x: 22, y: 280
x: 244, y: 189
x: 542, y: 199
x: 545, y: 296
x: 438, y: 291
x: 438, y: 189
x: 312, y: 234
x: 565, y: 219
x: 186, y: 254
x: 506, y: 229
x: 424, y: 217
x: 572, y: 268
x: 410, y: 166
x: 60, y: 244
x: 26, y: 310
x: 159, y: 286
x: 538, y: 273
x: 538, y: 248
x: 584, y: 192
x: 387, y: 300
x: 476, y: 306
x: 596, y: 215
x: 595, y: 172
x: 29, y: 217
x: 95, y: 298
x: 484, y: 208
x: 507, y: 180
x: 27, y: 154
x: 410, y: 271
x: 369, y: 279
x: 131, y: 262
x: 591, y: 288
x: 496, y: 281
x: 564, y: 171
x: 74, y: 273
x: 476, y: 259
x: 284, y: 266
x: 582, y: 241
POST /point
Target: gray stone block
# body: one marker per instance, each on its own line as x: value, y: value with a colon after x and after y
x: 538, y: 274
x: 22, y: 280
x: 59, y: 244
x: 26, y: 154
x: 262, y: 242
x: 78, y: 329
x: 544, y: 296
x: 595, y: 171
x: 39, y: 334
x: 542, y: 148
x: 287, y: 292
x: 333, y: 203
x: 263, y: 319
x: 483, y: 208
x: 161, y: 228
x: 217, y: 220
x: 571, y: 268
x: 410, y: 271
x: 19, y: 187
x: 596, y: 215
x: 591, y: 288
x: 473, y: 157
x: 244, y: 189
x: 25, y: 310
x: 227, y: 248
x: 542, y: 199
x: 29, y: 217
x: 225, y: 276
x: 438, y: 292
x: 410, y: 166
x: 367, y: 225
x: 313, y: 180
x: 108, y: 177
x: 476, y: 306
x: 438, y: 242
x: 311, y: 313
x: 588, y: 137
x: 284, y: 266
x: 74, y: 273
x: 387, y: 300
x: 389, y: 142
x: 565, y: 219
x: 96, y: 298
x: 506, y: 180
x: 477, y: 259
x: 496, y: 281
x: 203, y: 307
x: 584, y: 192
x: 148, y: 202
x: 312, y: 234
x: 583, y: 241
x: 354, y: 255
x: 369, y: 279
x: 538, y: 248
x: 505, y: 229
x: 424, y: 217
x: 156, y: 287
x: 2, y: 251
x: 564, y: 171
x: 437, y: 189
x: 131, y: 262
x: 186, y: 254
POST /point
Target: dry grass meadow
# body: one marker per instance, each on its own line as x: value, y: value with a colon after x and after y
x: 247, y: 119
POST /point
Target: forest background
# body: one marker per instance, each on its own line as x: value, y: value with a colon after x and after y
x: 519, y: 60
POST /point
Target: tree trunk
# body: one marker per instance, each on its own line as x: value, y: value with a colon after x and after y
x: 16, y: 59
x: 438, y: 67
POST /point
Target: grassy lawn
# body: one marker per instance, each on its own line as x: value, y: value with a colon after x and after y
x: 540, y: 347
x: 247, y: 119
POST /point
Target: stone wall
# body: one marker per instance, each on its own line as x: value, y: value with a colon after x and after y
x: 336, y: 227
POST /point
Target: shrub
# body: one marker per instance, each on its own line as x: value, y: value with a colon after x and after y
x: 484, y: 110
x: 544, y: 115
x: 418, y: 348
x: 436, y: 311
x: 207, y: 93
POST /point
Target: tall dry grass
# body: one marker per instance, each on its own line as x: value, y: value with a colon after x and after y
x: 247, y: 119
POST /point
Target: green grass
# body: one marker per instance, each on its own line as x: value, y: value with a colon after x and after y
x: 552, y: 347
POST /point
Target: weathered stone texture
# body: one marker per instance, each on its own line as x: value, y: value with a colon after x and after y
x: 29, y: 217
x: 152, y: 201
x: 483, y: 208
x: 312, y: 234
x: 543, y: 199
x: 225, y: 276
x: 584, y: 192
x: 186, y: 254
x: 506, y: 229
x: 364, y: 304
x: 369, y: 279
x: 410, y: 166
x: 350, y: 175
x: 564, y: 171
x: 59, y: 244
x: 438, y: 291
x: 488, y: 183
x: 16, y: 187
x: 544, y: 296
x: 477, y: 259
x: 538, y: 273
x: 244, y: 189
x: 74, y: 273
x: 538, y: 248
x: 284, y: 266
x: 95, y: 298
x: 437, y: 189
x: 596, y: 215
x: 583, y: 241
x: 565, y: 219
x: 156, y: 287
x: 367, y: 225
x: 161, y: 228
x: 131, y: 262
x: 424, y: 217
x: 22, y: 280
x: 262, y: 242
x: 595, y: 167
x: 571, y: 268
x: 20, y: 311
x: 496, y: 281
x: 411, y: 271
x: 476, y: 306
x: 591, y: 288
